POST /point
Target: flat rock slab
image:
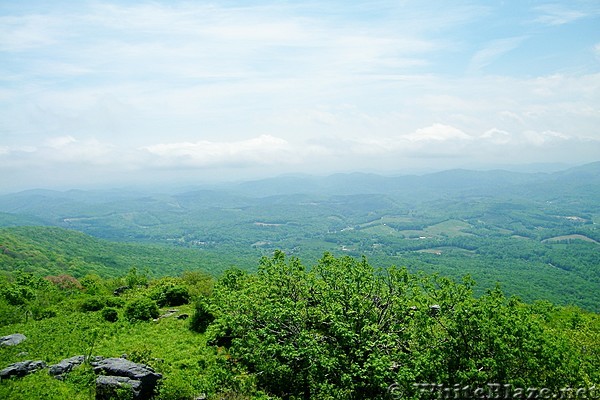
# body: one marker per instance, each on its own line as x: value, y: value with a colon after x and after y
x: 12, y: 340
x: 65, y: 365
x: 120, y: 367
x: 107, y: 387
x: 21, y: 368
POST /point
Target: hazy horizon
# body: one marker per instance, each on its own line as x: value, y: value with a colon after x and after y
x: 106, y: 93
x: 158, y: 185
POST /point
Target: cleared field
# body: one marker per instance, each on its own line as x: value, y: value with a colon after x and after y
x: 446, y: 249
x: 387, y: 220
x: 569, y: 237
x: 450, y: 228
x: 380, y: 230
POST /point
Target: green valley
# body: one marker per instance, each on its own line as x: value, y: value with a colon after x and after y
x: 342, y: 287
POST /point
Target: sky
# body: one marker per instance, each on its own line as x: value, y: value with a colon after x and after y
x: 118, y: 92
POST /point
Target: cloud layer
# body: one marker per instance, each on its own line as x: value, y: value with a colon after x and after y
x: 93, y: 88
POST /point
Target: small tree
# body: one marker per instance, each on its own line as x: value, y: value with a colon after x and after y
x: 202, y: 317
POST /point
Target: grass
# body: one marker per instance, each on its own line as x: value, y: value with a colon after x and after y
x: 166, y: 345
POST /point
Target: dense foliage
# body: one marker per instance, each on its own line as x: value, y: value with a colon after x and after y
x: 345, y: 330
x: 341, y: 329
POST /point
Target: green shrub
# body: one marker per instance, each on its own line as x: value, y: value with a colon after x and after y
x: 172, y: 296
x: 201, y: 318
x: 115, y: 302
x: 9, y: 314
x: 92, y: 304
x: 141, y: 309
x: 39, y: 314
x: 110, y: 314
x: 17, y: 295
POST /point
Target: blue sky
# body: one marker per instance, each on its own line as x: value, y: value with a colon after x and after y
x: 95, y: 92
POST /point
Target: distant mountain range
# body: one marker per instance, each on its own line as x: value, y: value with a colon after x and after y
x: 579, y: 182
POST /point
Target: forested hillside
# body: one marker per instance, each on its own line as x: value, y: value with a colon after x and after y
x: 535, y: 233
x: 54, y: 251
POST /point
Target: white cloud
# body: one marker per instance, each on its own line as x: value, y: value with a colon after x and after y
x: 438, y: 133
x: 61, y: 150
x: 497, y: 136
x: 493, y: 51
x: 167, y: 85
x: 537, y: 138
x: 27, y: 32
x: 558, y: 14
x: 262, y: 150
x: 60, y: 142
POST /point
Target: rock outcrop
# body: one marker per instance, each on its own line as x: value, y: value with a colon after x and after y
x: 12, y: 340
x: 21, y: 368
x: 107, y: 387
x: 114, y: 375
x: 65, y: 366
x: 140, y: 378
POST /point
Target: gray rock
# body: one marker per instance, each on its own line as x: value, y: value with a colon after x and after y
x: 120, y: 290
x: 65, y: 366
x: 21, y: 368
x: 168, y: 314
x: 12, y: 340
x: 107, y: 387
x: 120, y: 367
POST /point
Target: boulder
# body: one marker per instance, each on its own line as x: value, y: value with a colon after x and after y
x: 65, y: 366
x: 12, y: 340
x: 107, y: 387
x: 120, y: 367
x: 21, y: 368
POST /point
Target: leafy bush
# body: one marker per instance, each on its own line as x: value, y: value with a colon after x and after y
x: 170, y: 291
x: 141, y: 309
x: 97, y: 303
x: 199, y: 282
x: 173, y: 296
x: 346, y: 330
x: 17, y: 295
x: 110, y: 314
x: 39, y: 314
x: 133, y: 279
x: 201, y: 318
x: 8, y: 314
x: 92, y: 304
x: 115, y: 302
x: 93, y: 284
